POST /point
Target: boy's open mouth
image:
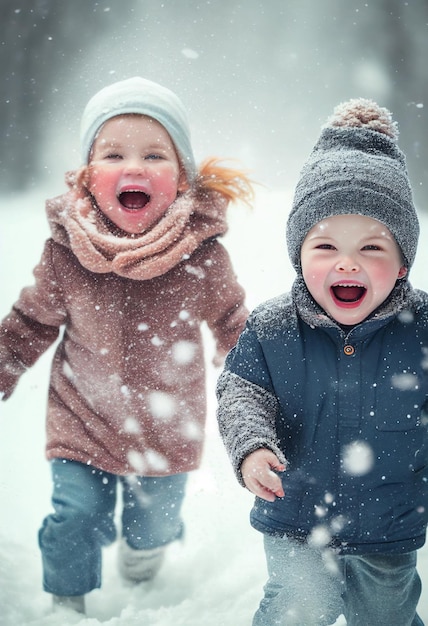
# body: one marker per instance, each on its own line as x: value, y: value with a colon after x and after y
x: 348, y: 293
x: 133, y: 200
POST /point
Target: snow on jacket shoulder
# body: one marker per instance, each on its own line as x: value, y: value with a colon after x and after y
x: 347, y: 411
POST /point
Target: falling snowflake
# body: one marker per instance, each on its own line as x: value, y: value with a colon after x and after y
x: 189, y: 53
x: 183, y: 352
x: 162, y: 405
x: 357, y: 458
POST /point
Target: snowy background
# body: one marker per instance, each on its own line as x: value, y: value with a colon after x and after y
x: 258, y: 79
x: 215, y: 576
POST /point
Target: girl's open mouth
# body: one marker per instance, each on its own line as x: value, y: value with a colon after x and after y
x: 348, y: 294
x: 133, y: 200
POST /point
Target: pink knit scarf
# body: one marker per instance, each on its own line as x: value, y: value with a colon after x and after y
x: 191, y: 219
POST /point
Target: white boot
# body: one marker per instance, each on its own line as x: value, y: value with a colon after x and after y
x: 75, y: 603
x: 139, y: 565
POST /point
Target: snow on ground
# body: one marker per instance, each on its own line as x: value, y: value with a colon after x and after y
x: 215, y: 576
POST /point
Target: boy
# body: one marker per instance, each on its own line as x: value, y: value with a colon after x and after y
x: 322, y: 403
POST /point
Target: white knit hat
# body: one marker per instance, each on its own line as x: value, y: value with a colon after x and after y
x: 138, y: 95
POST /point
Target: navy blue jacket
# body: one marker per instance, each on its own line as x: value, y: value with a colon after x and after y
x: 346, y: 408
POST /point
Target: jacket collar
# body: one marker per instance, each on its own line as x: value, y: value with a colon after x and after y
x: 310, y: 312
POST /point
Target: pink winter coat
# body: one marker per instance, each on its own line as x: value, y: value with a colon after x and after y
x: 127, y: 386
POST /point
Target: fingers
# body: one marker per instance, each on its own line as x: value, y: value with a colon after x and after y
x: 258, y: 476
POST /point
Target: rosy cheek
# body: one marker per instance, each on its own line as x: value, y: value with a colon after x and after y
x: 314, y: 275
x: 380, y: 273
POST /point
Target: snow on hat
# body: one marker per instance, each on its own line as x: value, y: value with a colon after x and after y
x: 138, y: 95
x: 355, y: 167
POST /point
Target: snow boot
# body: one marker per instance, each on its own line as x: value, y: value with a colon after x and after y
x: 139, y: 566
x: 74, y: 603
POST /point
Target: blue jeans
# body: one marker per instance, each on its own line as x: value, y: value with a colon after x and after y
x: 84, y: 501
x: 308, y: 586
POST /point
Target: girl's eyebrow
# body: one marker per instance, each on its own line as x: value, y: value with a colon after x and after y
x: 159, y: 144
x: 109, y: 143
x: 114, y: 143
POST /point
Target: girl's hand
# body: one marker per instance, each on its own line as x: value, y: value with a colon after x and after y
x: 256, y: 470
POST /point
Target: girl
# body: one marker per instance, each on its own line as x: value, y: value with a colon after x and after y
x: 132, y: 269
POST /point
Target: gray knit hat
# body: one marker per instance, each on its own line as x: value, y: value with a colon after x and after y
x: 355, y: 167
x: 138, y: 95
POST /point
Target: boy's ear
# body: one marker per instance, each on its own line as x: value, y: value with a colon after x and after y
x: 402, y: 271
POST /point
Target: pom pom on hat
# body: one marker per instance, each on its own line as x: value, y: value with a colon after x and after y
x: 355, y: 167
x: 140, y: 96
x: 361, y: 113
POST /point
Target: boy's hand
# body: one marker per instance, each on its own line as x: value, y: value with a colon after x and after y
x: 258, y: 476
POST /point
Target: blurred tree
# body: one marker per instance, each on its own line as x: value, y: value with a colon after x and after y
x: 39, y: 41
x: 258, y: 77
x: 392, y: 36
x: 406, y: 52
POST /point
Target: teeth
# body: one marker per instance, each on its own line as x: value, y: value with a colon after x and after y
x: 348, y: 292
x: 133, y: 199
x: 349, y: 285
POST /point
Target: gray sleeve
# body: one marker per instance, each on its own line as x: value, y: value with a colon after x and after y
x: 246, y: 417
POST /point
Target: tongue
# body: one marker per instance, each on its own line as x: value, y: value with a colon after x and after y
x: 133, y: 199
x: 348, y: 294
